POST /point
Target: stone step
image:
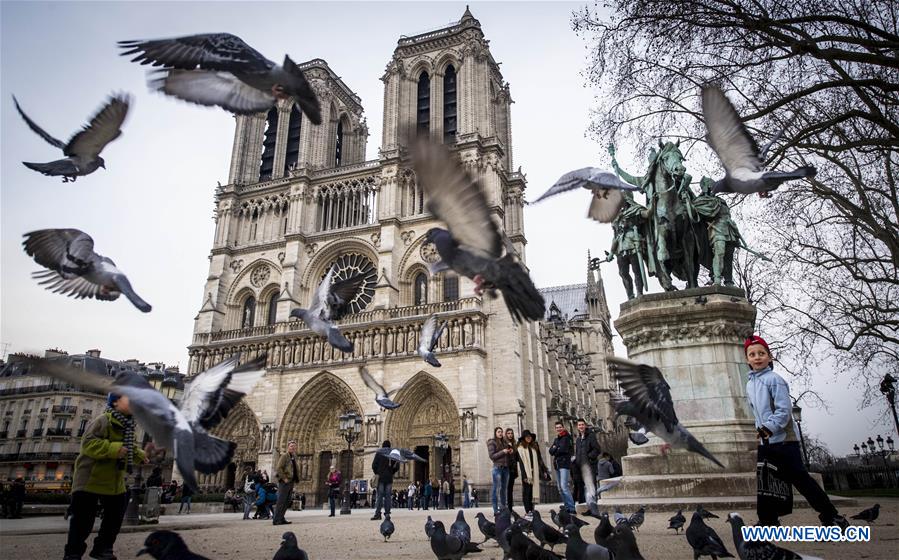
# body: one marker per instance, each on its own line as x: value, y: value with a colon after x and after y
x: 719, y: 505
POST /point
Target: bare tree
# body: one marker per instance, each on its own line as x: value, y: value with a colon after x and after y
x: 825, y: 71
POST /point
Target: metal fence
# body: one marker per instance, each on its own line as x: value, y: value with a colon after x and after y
x: 861, y: 477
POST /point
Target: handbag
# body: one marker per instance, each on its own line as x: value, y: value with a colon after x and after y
x: 774, y: 494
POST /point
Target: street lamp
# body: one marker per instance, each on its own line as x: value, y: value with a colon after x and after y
x: 890, y: 444
x: 857, y: 450
x: 797, y: 415
x: 888, y: 388
x: 879, y: 442
x: 349, y: 428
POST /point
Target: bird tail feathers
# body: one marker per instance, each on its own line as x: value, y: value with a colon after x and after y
x: 337, y: 340
x: 212, y: 454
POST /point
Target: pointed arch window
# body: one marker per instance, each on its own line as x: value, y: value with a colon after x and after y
x: 268, y: 145
x: 338, y: 144
x: 273, y: 308
x: 449, y: 105
x: 450, y: 287
x: 423, y: 119
x: 294, y: 128
x: 248, y: 318
x: 421, y: 288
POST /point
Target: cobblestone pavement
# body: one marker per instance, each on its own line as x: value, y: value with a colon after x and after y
x: 227, y: 536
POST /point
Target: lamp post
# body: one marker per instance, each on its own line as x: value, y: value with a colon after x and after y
x: 441, y: 442
x: 797, y: 415
x: 349, y: 428
x: 888, y: 388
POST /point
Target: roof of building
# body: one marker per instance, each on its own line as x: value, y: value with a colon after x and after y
x: 568, y: 302
x: 16, y: 366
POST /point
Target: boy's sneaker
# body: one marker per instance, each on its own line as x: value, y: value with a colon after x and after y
x: 841, y: 522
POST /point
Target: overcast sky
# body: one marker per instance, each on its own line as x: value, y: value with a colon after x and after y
x: 151, y: 210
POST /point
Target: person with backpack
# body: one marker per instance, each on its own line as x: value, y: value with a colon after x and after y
x: 605, y: 468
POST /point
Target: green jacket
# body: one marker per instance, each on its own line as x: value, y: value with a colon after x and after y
x: 98, y: 468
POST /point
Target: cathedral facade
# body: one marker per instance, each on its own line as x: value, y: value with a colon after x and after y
x: 301, y: 199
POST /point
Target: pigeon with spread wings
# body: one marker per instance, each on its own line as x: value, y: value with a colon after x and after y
x: 206, y: 402
x: 221, y: 69
x: 430, y: 336
x: 330, y: 303
x: 649, y: 402
x: 75, y: 269
x: 382, y: 396
x: 83, y: 150
x: 609, y: 192
x: 473, y: 245
x: 400, y: 454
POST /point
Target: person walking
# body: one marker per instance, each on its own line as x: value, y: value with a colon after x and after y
x: 531, y: 468
x: 605, y: 468
x: 302, y: 501
x: 249, y: 491
x: 287, y: 475
x: 769, y: 398
x: 333, y: 484
x: 447, y: 497
x: 385, y: 468
x: 513, y: 466
x: 452, y: 493
x: 426, y: 494
x: 499, y: 453
x: 187, y: 495
x: 561, y: 451
x: 108, y: 452
x: 16, y: 497
x: 586, y: 453
x: 410, y: 495
x: 466, y: 492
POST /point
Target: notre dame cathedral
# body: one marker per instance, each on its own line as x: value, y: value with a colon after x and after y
x: 301, y: 199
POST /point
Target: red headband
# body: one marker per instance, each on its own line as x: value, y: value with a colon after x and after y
x: 753, y: 339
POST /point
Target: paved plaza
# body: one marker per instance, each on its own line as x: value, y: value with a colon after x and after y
x: 226, y: 535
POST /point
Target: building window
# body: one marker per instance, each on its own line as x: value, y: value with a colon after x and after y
x: 272, y: 308
x: 349, y: 203
x: 423, y: 119
x: 268, y: 145
x: 450, y: 288
x: 421, y: 289
x: 82, y: 426
x: 294, y: 128
x: 61, y: 423
x: 449, y: 105
x: 338, y: 144
x: 249, y: 313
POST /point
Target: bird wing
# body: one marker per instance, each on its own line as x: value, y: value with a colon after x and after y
x: 319, y: 305
x: 213, y: 88
x: 36, y: 129
x: 590, y: 178
x: 426, y: 338
x: 342, y: 292
x: 69, y: 374
x: 605, y: 205
x: 102, y: 129
x: 213, y: 393
x: 70, y: 251
x: 646, y: 388
x: 302, y: 92
x: 727, y: 134
x: 370, y: 381
x: 77, y: 287
x: 456, y: 198
x: 209, y: 51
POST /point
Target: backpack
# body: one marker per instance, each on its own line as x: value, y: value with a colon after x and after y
x: 616, y: 468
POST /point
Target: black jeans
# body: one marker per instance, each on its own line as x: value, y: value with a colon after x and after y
x: 84, y: 511
x: 285, y: 491
x: 787, y: 458
x: 527, y: 494
x: 510, y: 489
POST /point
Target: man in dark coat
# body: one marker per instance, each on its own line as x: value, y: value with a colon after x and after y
x: 561, y: 450
x: 586, y: 452
x: 385, y: 468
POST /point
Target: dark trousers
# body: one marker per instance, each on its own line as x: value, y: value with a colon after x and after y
x: 285, y: 491
x: 447, y: 501
x: 788, y: 460
x: 527, y: 494
x: 385, y: 492
x: 509, y: 491
x: 84, y: 511
x: 332, y: 499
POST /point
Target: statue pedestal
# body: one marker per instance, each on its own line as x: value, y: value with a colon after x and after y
x: 695, y: 338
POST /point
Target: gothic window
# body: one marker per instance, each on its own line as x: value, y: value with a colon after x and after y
x: 254, y: 225
x: 293, y: 139
x: 338, y: 144
x: 268, y: 145
x: 423, y: 119
x: 450, y: 287
x: 272, y: 308
x: 346, y: 204
x: 349, y: 265
x: 248, y: 318
x: 449, y: 105
x: 421, y: 288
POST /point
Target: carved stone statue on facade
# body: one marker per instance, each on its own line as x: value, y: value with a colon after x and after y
x: 267, y: 437
x: 469, y: 426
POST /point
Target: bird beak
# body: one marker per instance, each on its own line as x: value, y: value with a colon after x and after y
x: 103, y: 165
x: 142, y: 552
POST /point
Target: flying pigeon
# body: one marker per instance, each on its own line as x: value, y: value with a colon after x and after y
x: 75, y: 269
x: 608, y: 191
x: 430, y: 336
x: 649, y: 401
x: 676, y: 522
x: 704, y: 540
x: 487, y: 527
x: 637, y: 438
x: 759, y: 550
x: 167, y: 545
x: 606, y: 486
x: 387, y: 527
x: 636, y: 519
x: 221, y: 69
x: 382, y: 396
x: 473, y: 245
x: 83, y: 149
x: 400, y: 454
x: 289, y: 549
x: 869, y: 515
x: 207, y: 400
x: 329, y: 303
x: 444, y: 546
x: 545, y: 534
x: 736, y: 148
x: 577, y: 549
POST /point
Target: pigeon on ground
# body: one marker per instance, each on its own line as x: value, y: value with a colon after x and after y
x: 608, y: 191
x: 289, y: 549
x: 207, y: 400
x: 503, y: 522
x: 704, y: 540
x: 623, y: 544
x: 523, y: 548
x: 430, y: 336
x: 328, y: 304
x: 167, y: 545
x: 400, y: 454
x: 75, y: 269
x: 555, y: 517
x: 619, y: 517
x: 706, y: 514
x: 444, y: 546
x: 566, y: 519
x: 462, y: 530
x: 83, y: 149
x: 869, y: 515
x: 637, y: 438
x: 473, y: 246
x: 429, y: 527
x: 676, y: 522
x: 577, y: 549
x: 759, y: 550
x: 487, y: 527
x: 546, y: 534
x: 736, y: 148
x: 387, y: 527
x: 221, y: 69
x: 636, y: 519
x: 649, y: 401
x: 604, y: 530
x: 382, y: 396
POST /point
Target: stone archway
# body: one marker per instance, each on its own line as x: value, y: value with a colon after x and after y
x: 242, y: 428
x: 311, y: 420
x: 428, y: 408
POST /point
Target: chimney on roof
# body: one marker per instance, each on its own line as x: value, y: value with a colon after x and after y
x: 93, y: 353
x: 54, y: 353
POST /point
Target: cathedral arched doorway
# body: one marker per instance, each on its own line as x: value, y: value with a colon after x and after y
x: 428, y: 410
x: 242, y: 428
x: 311, y: 419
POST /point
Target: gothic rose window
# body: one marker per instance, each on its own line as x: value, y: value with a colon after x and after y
x: 351, y: 264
